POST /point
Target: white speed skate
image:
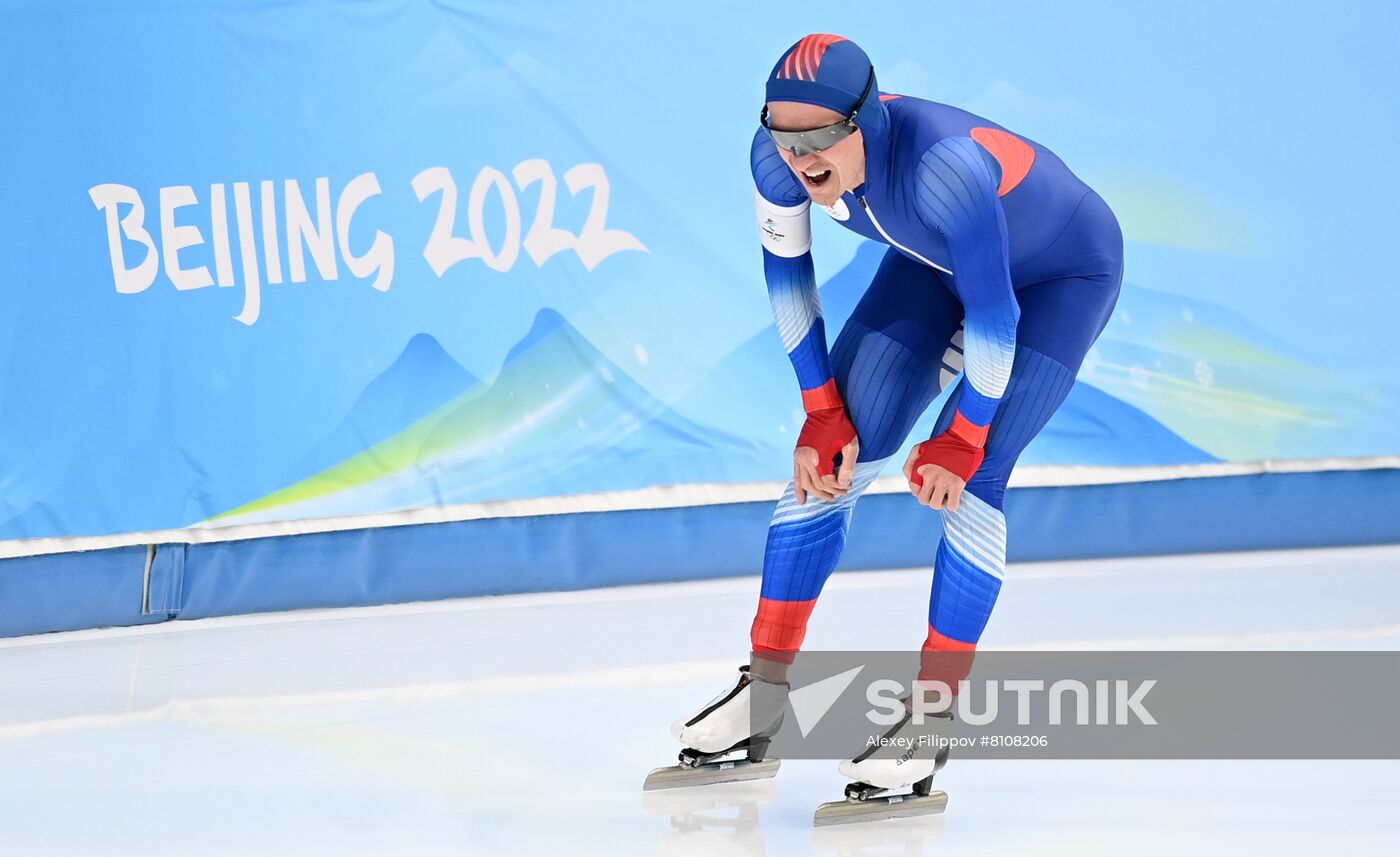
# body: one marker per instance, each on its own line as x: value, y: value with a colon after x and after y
x: 906, y: 757
x: 727, y: 740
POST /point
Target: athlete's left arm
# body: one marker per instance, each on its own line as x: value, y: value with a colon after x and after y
x: 956, y: 194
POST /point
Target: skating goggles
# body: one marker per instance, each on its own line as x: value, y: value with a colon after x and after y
x: 815, y: 140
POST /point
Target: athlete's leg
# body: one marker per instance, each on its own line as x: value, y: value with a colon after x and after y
x: 888, y: 362
x: 1060, y: 320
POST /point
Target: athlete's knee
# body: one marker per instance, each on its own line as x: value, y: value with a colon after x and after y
x: 804, y: 544
x: 988, y: 484
x: 885, y: 386
x: 1035, y: 391
x: 817, y: 514
x: 990, y: 480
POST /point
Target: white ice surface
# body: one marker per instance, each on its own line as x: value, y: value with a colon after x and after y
x: 524, y: 725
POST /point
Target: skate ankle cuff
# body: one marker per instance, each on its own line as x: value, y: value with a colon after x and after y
x: 753, y: 676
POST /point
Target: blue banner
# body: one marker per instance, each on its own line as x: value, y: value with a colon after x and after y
x: 284, y: 262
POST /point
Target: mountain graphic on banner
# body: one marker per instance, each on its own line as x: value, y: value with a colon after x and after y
x: 1219, y: 381
x: 1093, y: 428
x: 754, y: 386
x: 560, y: 418
x: 422, y: 379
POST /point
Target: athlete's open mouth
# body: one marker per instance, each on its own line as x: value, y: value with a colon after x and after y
x: 817, y: 179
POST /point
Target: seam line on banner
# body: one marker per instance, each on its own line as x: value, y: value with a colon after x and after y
x: 146, y: 580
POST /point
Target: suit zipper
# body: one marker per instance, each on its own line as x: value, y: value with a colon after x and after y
x: 893, y: 243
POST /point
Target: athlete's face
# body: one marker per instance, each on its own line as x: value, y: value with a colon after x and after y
x: 831, y: 172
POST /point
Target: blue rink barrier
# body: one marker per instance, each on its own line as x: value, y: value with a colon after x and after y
x: 562, y: 552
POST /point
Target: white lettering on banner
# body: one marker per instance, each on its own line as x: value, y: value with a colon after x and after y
x: 248, y: 249
x: 476, y: 219
x: 329, y: 230
x: 592, y: 245
x: 443, y: 249
x: 543, y: 240
x: 380, y: 257
x: 107, y: 197
x: 218, y: 218
x: 269, y: 231
x: 319, y: 237
x: 173, y: 238
x: 596, y: 242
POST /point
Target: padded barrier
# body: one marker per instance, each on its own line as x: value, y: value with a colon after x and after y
x: 561, y: 552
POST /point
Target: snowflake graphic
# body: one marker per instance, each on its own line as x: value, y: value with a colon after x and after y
x: 1138, y: 376
x: 1205, y: 376
x: 641, y: 354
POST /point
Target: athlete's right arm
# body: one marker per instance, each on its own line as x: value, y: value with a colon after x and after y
x: 785, y: 231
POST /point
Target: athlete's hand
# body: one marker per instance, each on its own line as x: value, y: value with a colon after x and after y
x: 826, y: 434
x: 935, y: 486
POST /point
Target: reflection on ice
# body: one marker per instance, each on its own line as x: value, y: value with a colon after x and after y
x: 901, y: 836
x: 712, y: 821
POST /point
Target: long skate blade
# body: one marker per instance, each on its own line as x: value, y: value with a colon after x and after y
x: 880, y: 808
x: 736, y: 771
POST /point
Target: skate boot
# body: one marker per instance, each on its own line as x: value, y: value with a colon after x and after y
x: 904, y: 762
x: 727, y: 740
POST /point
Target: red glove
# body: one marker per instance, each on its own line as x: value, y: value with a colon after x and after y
x: 950, y: 452
x: 827, y: 431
